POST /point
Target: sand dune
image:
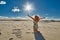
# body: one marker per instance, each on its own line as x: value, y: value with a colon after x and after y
x: 23, y: 30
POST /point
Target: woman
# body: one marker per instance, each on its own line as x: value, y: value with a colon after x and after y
x: 35, y: 21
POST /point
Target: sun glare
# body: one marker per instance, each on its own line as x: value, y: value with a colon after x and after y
x: 28, y: 7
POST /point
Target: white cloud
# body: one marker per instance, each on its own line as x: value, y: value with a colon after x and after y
x: 2, y: 17
x: 2, y: 2
x: 16, y: 9
x: 25, y: 17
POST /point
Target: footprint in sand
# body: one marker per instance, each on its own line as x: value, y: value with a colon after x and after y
x: 29, y: 32
x: 17, y: 32
x: 29, y: 29
x: 0, y: 33
x: 10, y: 38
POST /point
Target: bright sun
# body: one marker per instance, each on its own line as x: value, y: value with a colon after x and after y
x: 28, y: 7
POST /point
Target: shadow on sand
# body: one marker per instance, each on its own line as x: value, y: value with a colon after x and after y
x: 38, y: 36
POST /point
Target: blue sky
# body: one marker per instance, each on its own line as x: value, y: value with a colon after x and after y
x: 44, y: 8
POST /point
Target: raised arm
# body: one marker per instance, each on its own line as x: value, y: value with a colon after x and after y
x: 31, y: 17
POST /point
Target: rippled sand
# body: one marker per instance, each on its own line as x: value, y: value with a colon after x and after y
x: 23, y: 30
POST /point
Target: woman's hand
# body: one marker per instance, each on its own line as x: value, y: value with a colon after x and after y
x: 31, y: 17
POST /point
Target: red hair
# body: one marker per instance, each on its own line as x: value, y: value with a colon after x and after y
x: 37, y: 18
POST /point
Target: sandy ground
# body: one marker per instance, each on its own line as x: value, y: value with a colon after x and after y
x: 23, y: 30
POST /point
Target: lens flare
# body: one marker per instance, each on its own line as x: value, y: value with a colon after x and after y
x: 28, y: 7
